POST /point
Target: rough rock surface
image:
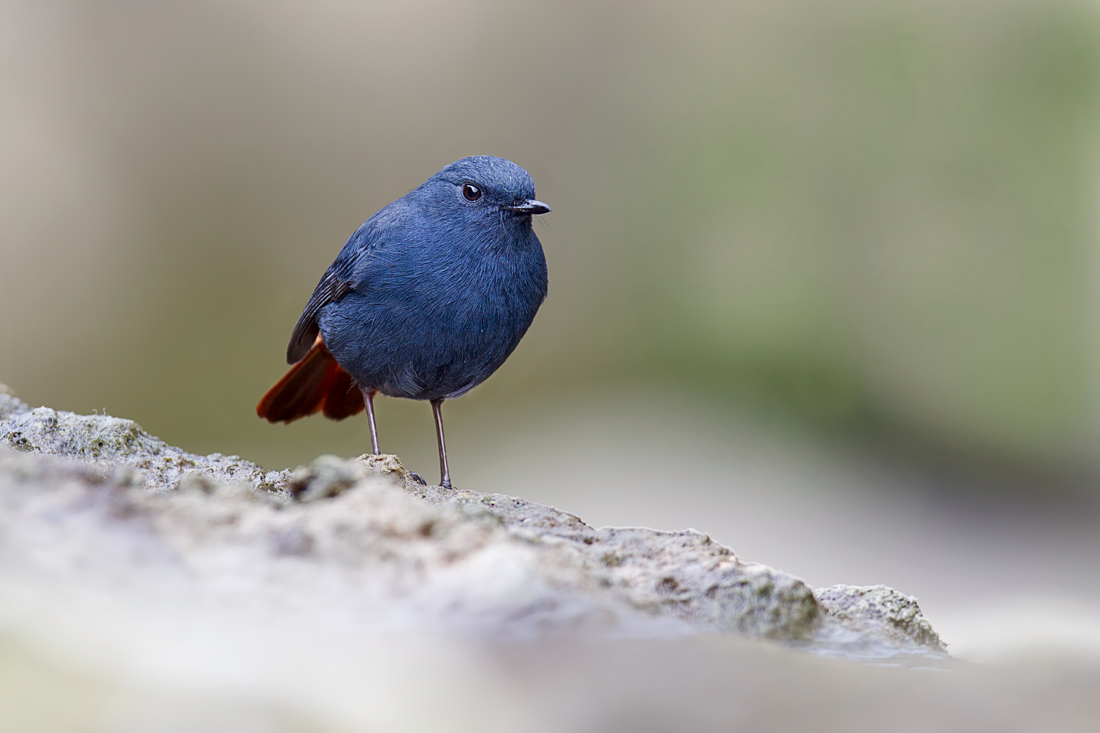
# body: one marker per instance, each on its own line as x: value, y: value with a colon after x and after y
x: 112, y: 442
x: 95, y: 500
x: 9, y: 403
x: 879, y: 611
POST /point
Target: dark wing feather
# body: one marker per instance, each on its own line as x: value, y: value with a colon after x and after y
x: 332, y: 287
x: 338, y: 281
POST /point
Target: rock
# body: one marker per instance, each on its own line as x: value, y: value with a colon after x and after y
x: 370, y: 556
x: 682, y: 574
x: 9, y: 403
x: 97, y: 501
x: 101, y: 440
x: 880, y: 612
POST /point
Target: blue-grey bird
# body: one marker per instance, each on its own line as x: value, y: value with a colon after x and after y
x: 426, y: 299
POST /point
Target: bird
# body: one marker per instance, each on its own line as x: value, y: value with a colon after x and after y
x: 425, y: 301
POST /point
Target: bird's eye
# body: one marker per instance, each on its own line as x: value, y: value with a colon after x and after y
x: 471, y: 192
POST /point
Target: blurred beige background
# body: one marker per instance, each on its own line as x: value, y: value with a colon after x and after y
x: 823, y: 275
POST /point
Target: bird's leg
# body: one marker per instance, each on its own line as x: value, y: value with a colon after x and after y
x: 368, y: 400
x: 445, y: 480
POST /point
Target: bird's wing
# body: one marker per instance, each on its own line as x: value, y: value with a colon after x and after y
x: 331, y: 288
x: 338, y: 281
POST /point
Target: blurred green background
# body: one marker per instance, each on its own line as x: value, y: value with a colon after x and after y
x: 868, y: 219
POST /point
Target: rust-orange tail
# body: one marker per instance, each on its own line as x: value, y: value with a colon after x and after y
x: 315, y: 384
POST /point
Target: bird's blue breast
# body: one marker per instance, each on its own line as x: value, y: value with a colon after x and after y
x: 437, y: 303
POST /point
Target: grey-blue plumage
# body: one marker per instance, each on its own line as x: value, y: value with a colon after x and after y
x: 425, y: 301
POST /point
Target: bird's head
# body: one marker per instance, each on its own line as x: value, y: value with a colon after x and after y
x: 486, y: 188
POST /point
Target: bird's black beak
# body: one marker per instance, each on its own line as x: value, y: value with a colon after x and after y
x: 529, y: 207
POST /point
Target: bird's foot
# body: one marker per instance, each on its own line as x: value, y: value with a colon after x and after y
x: 417, y: 478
